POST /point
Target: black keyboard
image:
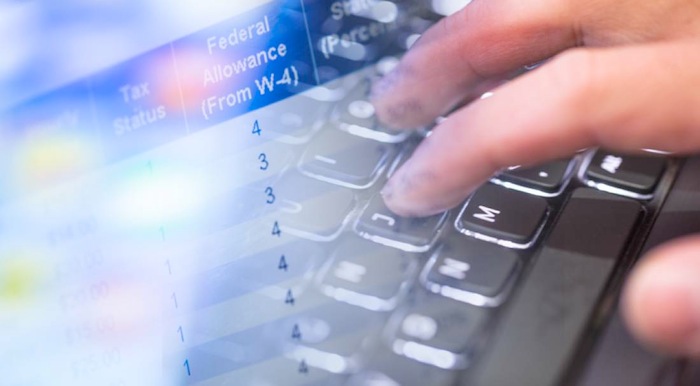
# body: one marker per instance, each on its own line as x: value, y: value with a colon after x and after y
x: 498, y: 291
x: 507, y: 282
x: 225, y: 256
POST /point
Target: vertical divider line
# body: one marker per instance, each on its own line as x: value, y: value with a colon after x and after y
x: 311, y: 45
x: 96, y: 121
x: 179, y: 87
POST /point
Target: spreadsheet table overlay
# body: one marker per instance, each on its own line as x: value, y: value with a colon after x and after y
x: 147, y: 211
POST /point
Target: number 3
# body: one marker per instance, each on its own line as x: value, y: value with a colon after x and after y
x: 264, y: 163
x: 270, y: 196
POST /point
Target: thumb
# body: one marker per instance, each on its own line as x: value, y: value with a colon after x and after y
x: 661, y: 301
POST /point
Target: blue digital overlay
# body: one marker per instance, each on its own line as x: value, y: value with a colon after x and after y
x: 229, y: 69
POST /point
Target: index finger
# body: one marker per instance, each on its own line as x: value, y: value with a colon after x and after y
x: 486, y: 39
x: 623, y: 99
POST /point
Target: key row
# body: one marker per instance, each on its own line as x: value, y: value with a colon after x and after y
x: 634, y: 176
x: 316, y: 208
x: 432, y: 336
x: 343, y: 104
x: 368, y: 280
x: 319, y: 211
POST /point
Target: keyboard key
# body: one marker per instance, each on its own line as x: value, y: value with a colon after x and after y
x: 547, y: 179
x: 386, y: 65
x: 280, y: 371
x: 437, y: 331
x: 471, y: 271
x: 379, y: 224
x: 330, y: 336
x: 311, y: 209
x: 550, y: 312
x: 368, y: 275
x: 448, y: 7
x: 344, y: 159
x: 296, y: 261
x: 635, y: 173
x: 503, y: 216
x: 385, y: 368
x: 295, y: 119
x: 357, y: 116
x: 334, y: 90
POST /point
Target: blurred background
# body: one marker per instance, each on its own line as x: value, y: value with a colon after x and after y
x: 45, y: 44
x: 143, y: 257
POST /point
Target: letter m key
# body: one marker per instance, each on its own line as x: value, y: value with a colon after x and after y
x: 487, y: 214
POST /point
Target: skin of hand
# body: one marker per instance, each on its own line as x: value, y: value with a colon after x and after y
x: 623, y: 75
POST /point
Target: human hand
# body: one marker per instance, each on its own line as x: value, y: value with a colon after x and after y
x: 625, y: 76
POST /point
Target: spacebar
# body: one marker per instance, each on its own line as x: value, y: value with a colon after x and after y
x: 541, y: 329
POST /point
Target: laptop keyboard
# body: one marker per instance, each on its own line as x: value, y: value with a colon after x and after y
x: 378, y: 299
x: 508, y: 280
x: 294, y: 272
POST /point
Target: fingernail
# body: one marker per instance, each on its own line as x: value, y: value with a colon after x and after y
x: 398, y: 200
x: 392, y: 193
x: 382, y: 86
x: 386, y: 83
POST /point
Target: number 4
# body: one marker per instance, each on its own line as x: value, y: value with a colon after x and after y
x: 289, y: 299
x: 256, y: 128
x: 283, y: 266
x: 296, y: 332
x: 276, y: 231
x: 303, y: 368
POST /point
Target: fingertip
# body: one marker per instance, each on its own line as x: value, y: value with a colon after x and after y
x: 417, y: 190
x: 395, y: 108
x: 400, y: 196
x: 404, y: 114
x: 661, y: 302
